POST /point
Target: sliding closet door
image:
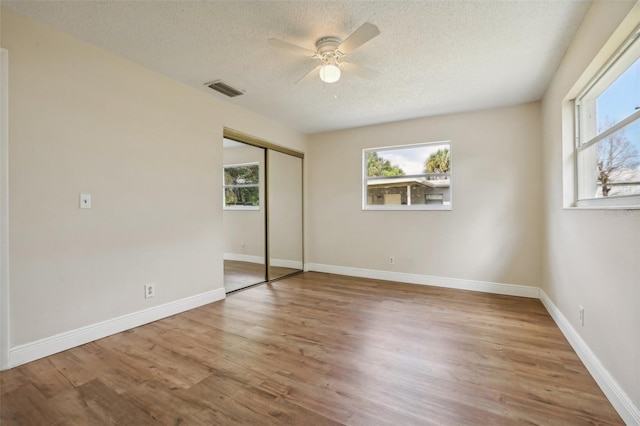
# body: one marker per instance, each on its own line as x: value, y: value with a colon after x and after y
x: 243, y: 218
x: 284, y: 177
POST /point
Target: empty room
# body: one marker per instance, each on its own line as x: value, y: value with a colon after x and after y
x: 320, y: 212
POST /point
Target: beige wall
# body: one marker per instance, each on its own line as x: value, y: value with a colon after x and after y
x: 591, y: 257
x: 148, y: 149
x: 493, y: 233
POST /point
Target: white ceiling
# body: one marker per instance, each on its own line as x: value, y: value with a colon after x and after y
x: 434, y: 57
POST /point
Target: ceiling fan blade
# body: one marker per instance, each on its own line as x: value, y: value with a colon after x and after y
x: 290, y: 47
x: 359, y: 37
x: 363, y: 72
x: 311, y: 74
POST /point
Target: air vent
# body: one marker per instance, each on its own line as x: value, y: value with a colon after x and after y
x: 224, y: 88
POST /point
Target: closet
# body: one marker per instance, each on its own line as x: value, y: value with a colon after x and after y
x: 262, y: 211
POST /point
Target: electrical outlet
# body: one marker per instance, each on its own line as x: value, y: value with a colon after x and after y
x: 149, y: 290
x: 392, y: 260
x: 581, y: 315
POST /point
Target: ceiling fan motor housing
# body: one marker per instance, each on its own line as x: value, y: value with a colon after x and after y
x: 327, y: 48
x: 327, y: 44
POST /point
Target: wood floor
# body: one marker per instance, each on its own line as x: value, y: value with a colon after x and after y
x: 238, y: 274
x: 319, y: 349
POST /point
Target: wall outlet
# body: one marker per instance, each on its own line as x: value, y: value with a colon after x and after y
x: 581, y: 315
x: 149, y: 290
x: 392, y: 260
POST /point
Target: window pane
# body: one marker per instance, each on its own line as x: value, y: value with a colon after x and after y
x: 241, y: 175
x: 416, y: 175
x: 620, y: 100
x: 614, y: 97
x: 242, y: 196
x: 611, y: 167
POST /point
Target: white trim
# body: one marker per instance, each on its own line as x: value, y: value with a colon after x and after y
x: 408, y: 207
x: 457, y: 283
x: 629, y: 202
x: 241, y: 208
x: 619, y: 399
x: 70, y: 339
x: 4, y: 209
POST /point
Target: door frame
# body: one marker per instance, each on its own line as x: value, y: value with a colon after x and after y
x: 4, y: 209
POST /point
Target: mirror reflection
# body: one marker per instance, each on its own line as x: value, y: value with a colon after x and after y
x: 285, y: 214
x: 244, y: 236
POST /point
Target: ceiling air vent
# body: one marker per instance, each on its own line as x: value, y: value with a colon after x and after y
x: 224, y: 88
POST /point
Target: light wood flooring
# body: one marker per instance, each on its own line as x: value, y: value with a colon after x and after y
x: 238, y: 275
x: 319, y: 349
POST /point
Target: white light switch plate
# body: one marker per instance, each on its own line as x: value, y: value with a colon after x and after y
x: 85, y: 201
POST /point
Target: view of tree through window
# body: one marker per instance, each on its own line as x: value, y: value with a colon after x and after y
x: 242, y: 186
x: 408, y: 177
x: 608, y: 112
x: 617, y: 159
x: 378, y: 166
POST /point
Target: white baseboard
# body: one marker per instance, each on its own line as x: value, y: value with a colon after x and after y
x: 619, y: 399
x: 461, y: 284
x: 284, y: 263
x: 70, y: 339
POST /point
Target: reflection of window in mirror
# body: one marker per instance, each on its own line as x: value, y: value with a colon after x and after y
x: 241, y: 183
x: 407, y: 177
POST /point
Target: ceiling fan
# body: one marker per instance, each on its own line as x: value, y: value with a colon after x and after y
x: 330, y: 51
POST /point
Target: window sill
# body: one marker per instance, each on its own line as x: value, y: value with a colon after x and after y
x: 407, y: 208
x: 250, y: 208
x: 614, y: 203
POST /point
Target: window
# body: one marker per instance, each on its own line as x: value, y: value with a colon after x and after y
x: 242, y: 186
x: 407, y: 177
x: 607, y: 151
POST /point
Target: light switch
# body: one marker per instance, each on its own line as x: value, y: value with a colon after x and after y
x: 85, y: 201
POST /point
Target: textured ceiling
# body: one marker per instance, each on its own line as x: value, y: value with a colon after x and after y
x: 434, y: 57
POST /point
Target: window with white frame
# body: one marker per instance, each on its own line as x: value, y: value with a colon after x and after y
x: 407, y: 177
x: 607, y: 150
x: 241, y: 184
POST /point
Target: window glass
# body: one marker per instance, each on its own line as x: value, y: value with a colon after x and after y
x: 610, y: 167
x: 409, y: 177
x: 604, y: 107
x: 608, y: 130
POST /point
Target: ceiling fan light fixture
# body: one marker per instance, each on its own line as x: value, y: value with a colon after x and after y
x: 329, y: 73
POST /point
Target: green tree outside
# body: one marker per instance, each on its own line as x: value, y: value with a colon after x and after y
x: 438, y: 162
x: 378, y: 166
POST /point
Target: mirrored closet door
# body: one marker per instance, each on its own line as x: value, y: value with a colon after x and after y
x: 262, y: 217
x: 243, y: 216
x: 285, y: 214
